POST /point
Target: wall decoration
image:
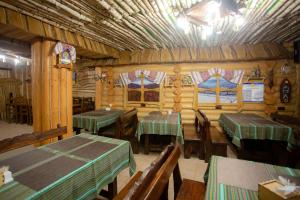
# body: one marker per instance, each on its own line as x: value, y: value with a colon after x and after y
x: 285, y: 91
x: 118, y: 83
x: 186, y: 80
x: 169, y: 81
x: 253, y: 92
x: 67, y: 53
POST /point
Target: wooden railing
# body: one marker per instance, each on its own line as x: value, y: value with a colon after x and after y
x: 31, y: 138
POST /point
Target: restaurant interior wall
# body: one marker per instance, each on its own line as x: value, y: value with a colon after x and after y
x: 117, y: 96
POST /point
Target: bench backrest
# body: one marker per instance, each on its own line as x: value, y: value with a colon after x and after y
x: 139, y: 189
x: 128, y: 123
x: 159, y: 185
x: 31, y: 138
x: 202, y: 124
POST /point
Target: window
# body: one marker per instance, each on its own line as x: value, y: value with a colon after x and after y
x: 217, y: 90
x: 143, y: 90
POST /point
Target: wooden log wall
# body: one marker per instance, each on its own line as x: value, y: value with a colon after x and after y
x: 51, y: 89
x: 13, y: 80
x: 187, y: 92
x: 85, y: 83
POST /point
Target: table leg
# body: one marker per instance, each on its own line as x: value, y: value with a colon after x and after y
x: 146, y: 147
x: 112, y: 190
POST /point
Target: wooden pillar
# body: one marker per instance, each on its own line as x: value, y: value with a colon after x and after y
x: 51, y: 89
x: 98, y: 89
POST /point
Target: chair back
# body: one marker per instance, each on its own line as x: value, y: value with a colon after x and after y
x: 128, y: 124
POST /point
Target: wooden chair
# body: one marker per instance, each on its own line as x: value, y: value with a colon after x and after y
x: 195, y: 136
x: 30, y: 114
x: 153, y: 183
x: 21, y: 109
x: 127, y: 126
x: 124, y: 128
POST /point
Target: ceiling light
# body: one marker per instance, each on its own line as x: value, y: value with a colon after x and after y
x: 219, y: 32
x: 239, y: 21
x: 3, y: 58
x: 17, y: 61
x: 208, y: 30
x: 212, y: 9
x: 183, y: 23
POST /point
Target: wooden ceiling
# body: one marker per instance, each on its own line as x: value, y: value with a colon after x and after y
x: 151, y: 24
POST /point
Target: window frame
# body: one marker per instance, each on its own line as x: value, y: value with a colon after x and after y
x: 142, y: 89
x: 218, y: 91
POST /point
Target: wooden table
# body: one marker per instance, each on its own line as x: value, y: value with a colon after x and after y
x: 169, y: 125
x: 74, y: 168
x: 230, y: 178
x: 94, y: 120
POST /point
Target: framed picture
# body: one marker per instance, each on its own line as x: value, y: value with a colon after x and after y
x: 169, y: 81
x: 117, y: 83
x: 187, y: 80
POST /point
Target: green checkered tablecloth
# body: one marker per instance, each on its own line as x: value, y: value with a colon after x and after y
x: 250, y: 126
x: 94, y: 120
x: 217, y: 189
x: 74, y: 168
x: 161, y: 125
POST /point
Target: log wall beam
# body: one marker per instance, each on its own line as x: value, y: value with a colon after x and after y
x: 29, y: 27
x: 221, y: 54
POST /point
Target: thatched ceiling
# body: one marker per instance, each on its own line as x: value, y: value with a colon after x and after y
x: 151, y: 24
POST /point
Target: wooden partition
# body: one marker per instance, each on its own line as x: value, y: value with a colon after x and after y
x: 187, y: 93
x: 51, y: 89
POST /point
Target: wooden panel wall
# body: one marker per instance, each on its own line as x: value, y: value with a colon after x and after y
x: 85, y: 83
x: 298, y: 90
x: 187, y: 95
x: 51, y: 89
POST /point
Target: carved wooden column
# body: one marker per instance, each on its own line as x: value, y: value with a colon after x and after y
x: 98, y: 89
x: 51, y: 89
x: 177, y: 90
x: 110, y: 85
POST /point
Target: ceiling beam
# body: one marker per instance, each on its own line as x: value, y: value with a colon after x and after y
x: 19, y: 48
x: 29, y: 26
x: 224, y: 53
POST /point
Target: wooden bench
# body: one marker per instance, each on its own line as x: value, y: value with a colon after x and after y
x: 215, y: 141
x: 31, y: 138
x: 153, y: 184
x: 194, y: 137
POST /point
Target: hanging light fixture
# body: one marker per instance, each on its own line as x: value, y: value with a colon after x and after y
x: 208, y: 13
x: 17, y: 61
x: 3, y: 57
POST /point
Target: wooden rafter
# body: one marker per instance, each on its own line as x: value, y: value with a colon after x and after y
x: 147, y: 24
